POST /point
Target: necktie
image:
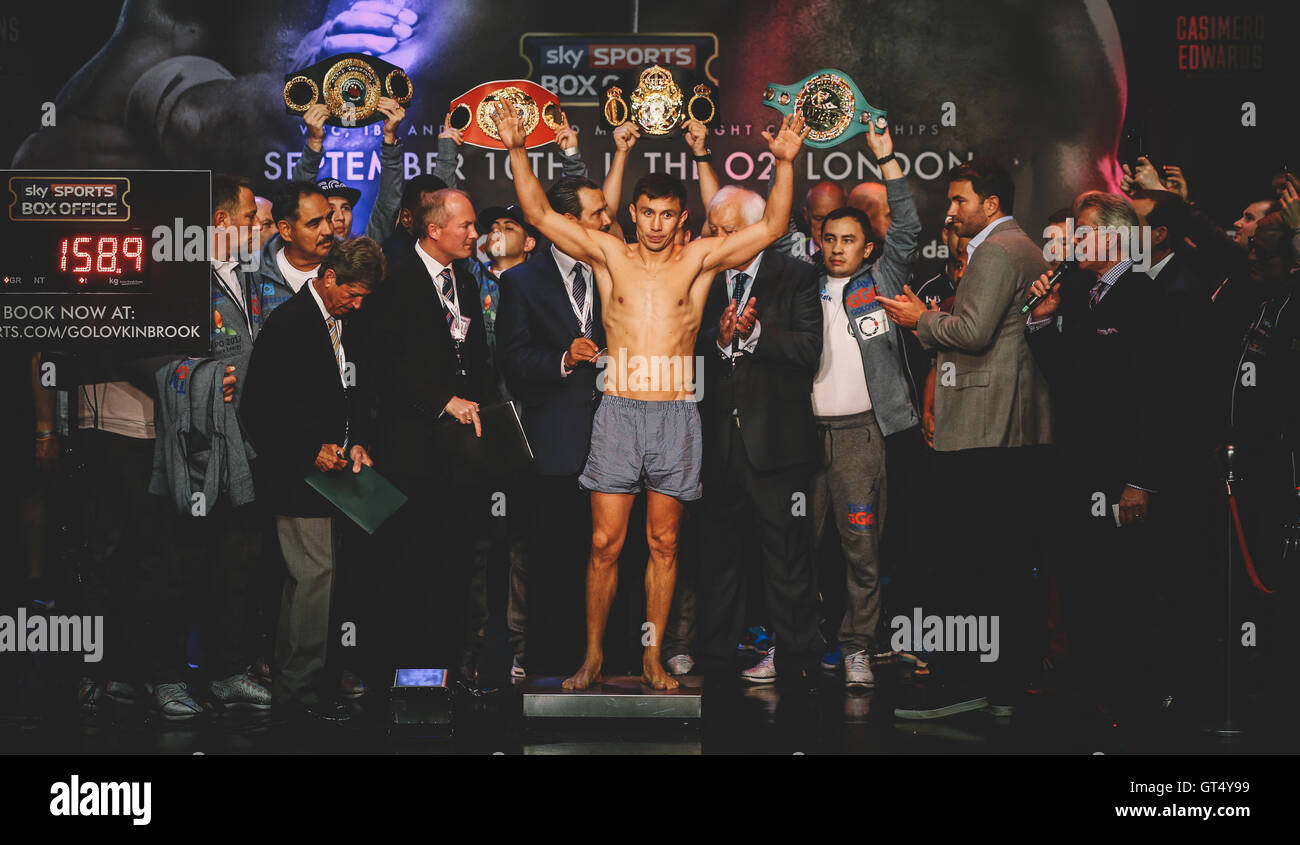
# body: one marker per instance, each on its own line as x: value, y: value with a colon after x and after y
x: 580, y: 298
x: 1094, y: 296
x: 448, y: 286
x: 738, y: 292
x: 336, y: 339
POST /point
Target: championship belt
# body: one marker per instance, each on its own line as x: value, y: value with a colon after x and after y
x: 659, y: 103
x: 538, y: 110
x: 350, y: 84
x: 833, y: 108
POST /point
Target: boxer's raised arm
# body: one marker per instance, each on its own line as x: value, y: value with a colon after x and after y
x: 740, y: 247
x: 569, y: 236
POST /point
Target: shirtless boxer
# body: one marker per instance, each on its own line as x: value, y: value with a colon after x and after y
x: 652, y: 293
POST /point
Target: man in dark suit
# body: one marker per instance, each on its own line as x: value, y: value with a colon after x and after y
x: 549, y: 334
x: 759, y: 360
x: 425, y: 333
x: 305, y: 414
x: 1105, y: 366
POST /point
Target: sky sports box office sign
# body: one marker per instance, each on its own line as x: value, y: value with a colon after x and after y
x: 99, y: 259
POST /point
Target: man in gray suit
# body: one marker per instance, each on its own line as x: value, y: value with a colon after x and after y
x: 992, y: 424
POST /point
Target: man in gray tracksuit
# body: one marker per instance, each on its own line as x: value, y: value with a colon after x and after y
x: 861, y: 394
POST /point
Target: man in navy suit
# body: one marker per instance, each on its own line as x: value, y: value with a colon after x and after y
x: 549, y: 334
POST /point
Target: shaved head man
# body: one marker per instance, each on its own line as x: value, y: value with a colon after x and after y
x: 823, y: 198
x: 869, y: 198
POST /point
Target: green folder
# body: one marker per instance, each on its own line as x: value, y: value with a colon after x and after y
x: 366, y: 497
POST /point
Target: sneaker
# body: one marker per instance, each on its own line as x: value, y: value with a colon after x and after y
x: 680, y: 664
x: 125, y: 693
x: 175, y: 701
x: 241, y: 691
x: 517, y: 671
x: 831, y: 659
x: 857, y: 670
x: 351, y: 686
x: 764, y: 672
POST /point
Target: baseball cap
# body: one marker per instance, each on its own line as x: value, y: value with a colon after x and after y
x: 493, y: 213
x: 335, y: 188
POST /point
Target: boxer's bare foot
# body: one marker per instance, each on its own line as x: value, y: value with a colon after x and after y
x: 587, y: 675
x: 653, y: 674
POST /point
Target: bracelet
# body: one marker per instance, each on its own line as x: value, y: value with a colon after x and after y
x: 885, y: 160
x: 46, y: 435
x: 708, y: 156
x: 570, y: 152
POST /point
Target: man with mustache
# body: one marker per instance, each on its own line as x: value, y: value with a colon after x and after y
x: 304, y: 224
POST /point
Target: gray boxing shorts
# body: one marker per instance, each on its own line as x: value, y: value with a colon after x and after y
x: 637, y: 444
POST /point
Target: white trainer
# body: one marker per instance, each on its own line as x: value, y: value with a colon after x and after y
x: 763, y: 672
x: 857, y: 670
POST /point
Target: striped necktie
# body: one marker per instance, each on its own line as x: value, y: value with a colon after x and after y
x: 1094, y: 296
x: 580, y: 298
x: 336, y: 339
x: 448, y: 287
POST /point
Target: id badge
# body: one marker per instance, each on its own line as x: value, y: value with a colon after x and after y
x: 873, y: 324
x: 463, y: 328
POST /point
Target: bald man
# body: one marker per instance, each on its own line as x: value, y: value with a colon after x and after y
x: 870, y: 199
x: 822, y: 199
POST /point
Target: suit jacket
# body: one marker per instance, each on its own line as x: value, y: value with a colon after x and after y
x: 415, y: 367
x: 535, y: 325
x: 294, y: 402
x: 1105, y: 367
x: 771, y: 389
x: 1183, y: 329
x: 989, y: 391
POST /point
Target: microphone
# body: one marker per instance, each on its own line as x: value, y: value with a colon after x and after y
x: 1065, y: 267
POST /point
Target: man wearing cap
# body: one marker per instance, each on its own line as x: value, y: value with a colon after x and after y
x: 509, y: 243
x: 342, y: 198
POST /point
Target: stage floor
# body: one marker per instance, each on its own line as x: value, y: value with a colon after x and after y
x: 733, y: 718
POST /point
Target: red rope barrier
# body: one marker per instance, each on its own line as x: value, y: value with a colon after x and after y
x: 1245, y: 552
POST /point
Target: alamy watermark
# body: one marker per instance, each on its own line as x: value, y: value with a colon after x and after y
x: 946, y: 634
x: 49, y: 633
x: 681, y: 374
x: 1068, y: 242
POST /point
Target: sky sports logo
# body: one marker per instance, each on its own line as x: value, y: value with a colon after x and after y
x: 618, y: 56
x: 579, y: 67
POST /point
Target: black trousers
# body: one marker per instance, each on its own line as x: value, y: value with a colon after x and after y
x: 741, y: 501
x: 995, y: 507
x: 207, y: 567
x: 423, y: 569
x: 121, y: 523
x: 559, y: 546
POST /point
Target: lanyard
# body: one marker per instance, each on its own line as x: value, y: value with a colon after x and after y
x: 237, y: 300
